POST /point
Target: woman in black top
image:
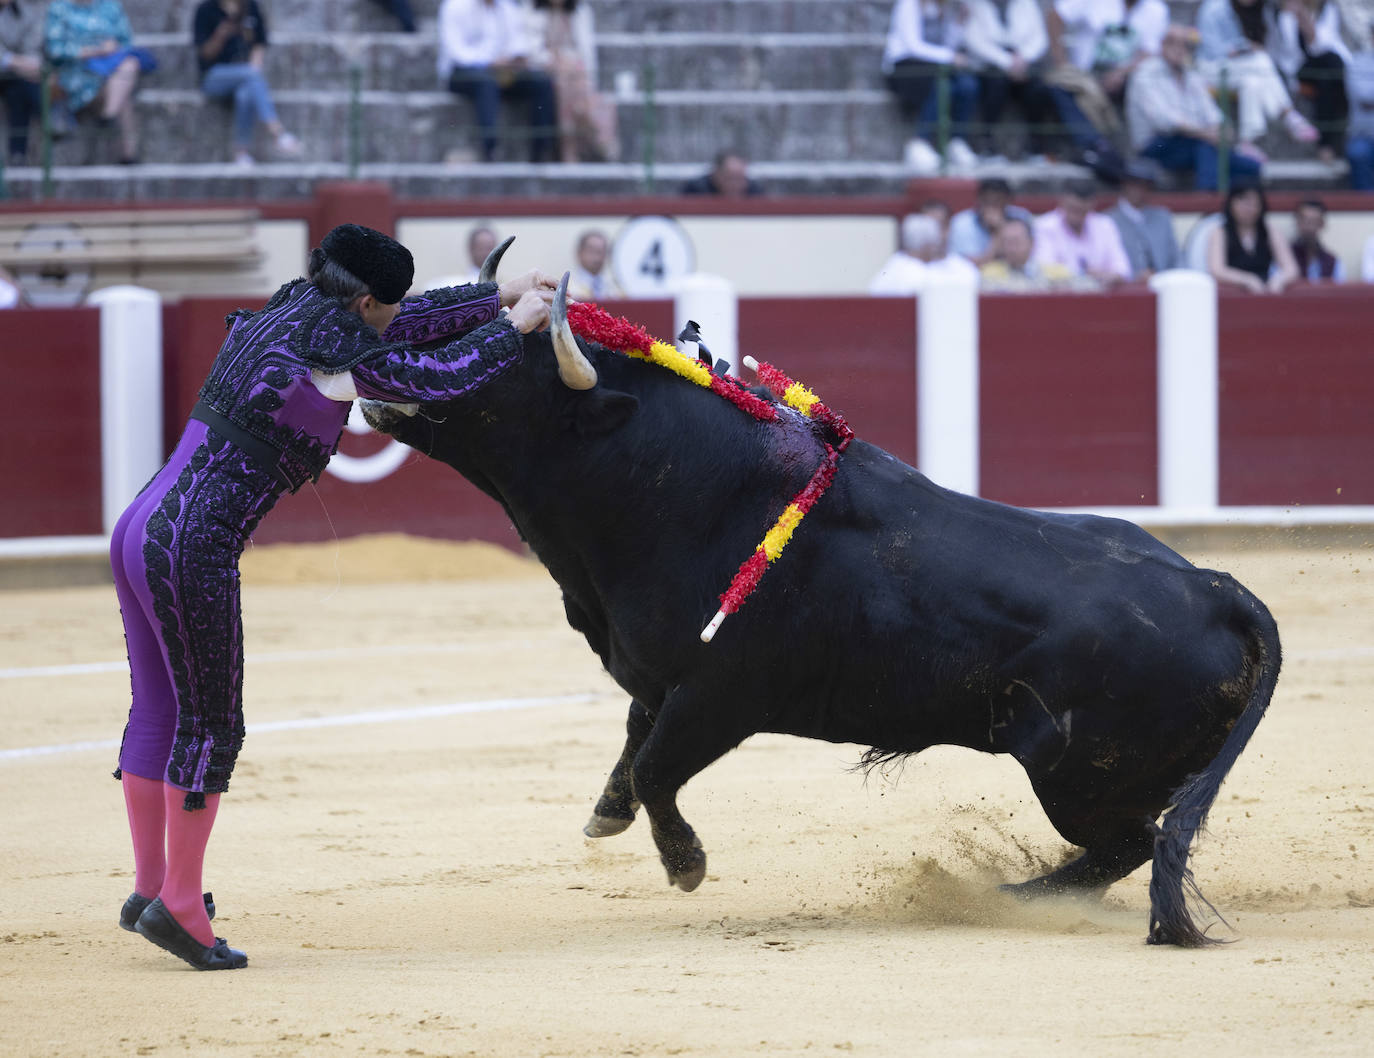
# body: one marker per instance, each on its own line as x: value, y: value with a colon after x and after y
x: 230, y: 38
x: 1246, y: 249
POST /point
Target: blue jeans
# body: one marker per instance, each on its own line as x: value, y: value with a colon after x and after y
x: 23, y: 102
x: 913, y: 82
x: 478, y: 85
x: 1181, y: 153
x: 1359, y: 150
x: 245, y: 83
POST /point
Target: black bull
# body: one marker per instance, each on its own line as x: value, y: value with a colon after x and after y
x: 901, y: 615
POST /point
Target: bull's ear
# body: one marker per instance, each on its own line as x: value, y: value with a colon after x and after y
x: 599, y: 411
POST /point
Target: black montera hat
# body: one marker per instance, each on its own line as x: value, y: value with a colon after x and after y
x: 378, y: 260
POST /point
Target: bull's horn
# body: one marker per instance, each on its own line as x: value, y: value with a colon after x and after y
x: 493, y: 261
x: 574, y: 369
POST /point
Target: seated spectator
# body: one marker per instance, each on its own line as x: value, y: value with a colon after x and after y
x: 230, y: 38
x: 1314, y: 261
x: 481, y: 241
x: 1007, y: 43
x: 1359, y: 143
x: 1173, y: 119
x: 1013, y: 267
x: 729, y: 178
x: 565, y: 45
x: 971, y: 231
x: 484, y: 57
x: 90, y: 43
x: 904, y: 273
x: 1084, y: 242
x: 21, y: 67
x: 1232, y: 36
x: 922, y: 37
x: 590, y: 279
x: 1147, y: 232
x: 1246, y: 249
x: 1306, y: 44
x: 1107, y: 39
x: 401, y: 9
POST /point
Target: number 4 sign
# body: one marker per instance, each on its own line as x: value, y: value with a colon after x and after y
x: 650, y: 256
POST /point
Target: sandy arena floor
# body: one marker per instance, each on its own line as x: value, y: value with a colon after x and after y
x: 401, y: 853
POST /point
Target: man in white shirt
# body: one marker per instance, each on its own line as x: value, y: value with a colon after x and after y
x: 925, y: 41
x: 921, y: 255
x: 484, y: 57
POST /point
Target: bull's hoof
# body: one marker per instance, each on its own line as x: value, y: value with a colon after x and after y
x: 691, y: 874
x: 605, y: 826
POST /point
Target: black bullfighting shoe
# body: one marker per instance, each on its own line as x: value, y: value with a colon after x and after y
x: 157, y: 924
x: 133, y: 907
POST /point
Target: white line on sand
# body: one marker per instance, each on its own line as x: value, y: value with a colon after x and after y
x: 375, y: 716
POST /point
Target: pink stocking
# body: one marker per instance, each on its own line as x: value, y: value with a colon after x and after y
x: 144, y: 803
x: 187, y: 835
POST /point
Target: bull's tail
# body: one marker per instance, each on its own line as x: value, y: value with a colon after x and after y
x: 1171, y: 880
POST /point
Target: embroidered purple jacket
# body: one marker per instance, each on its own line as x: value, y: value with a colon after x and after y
x: 260, y: 380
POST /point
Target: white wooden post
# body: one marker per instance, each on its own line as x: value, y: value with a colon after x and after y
x: 712, y: 302
x: 130, y: 394
x: 1186, y: 325
x: 947, y: 420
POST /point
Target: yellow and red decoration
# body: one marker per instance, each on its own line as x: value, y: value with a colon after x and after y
x: 598, y: 325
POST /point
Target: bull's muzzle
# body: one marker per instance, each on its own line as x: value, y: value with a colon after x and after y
x: 574, y: 368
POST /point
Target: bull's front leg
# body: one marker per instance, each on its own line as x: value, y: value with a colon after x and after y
x: 615, y: 810
x: 686, y: 736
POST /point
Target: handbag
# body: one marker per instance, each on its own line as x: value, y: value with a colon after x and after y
x: 104, y: 65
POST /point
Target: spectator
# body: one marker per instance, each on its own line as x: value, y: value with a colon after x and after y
x: 565, y: 43
x: 1233, y: 35
x: 11, y: 297
x: 1147, y: 232
x: 481, y: 241
x: 1013, y: 266
x: 1315, y: 262
x: 1246, y: 249
x: 401, y: 9
x: 922, y: 37
x: 1084, y: 242
x: 590, y: 279
x: 904, y: 273
x: 1007, y: 42
x: 729, y: 178
x: 1173, y: 119
x: 230, y: 38
x: 1308, y: 50
x: 484, y: 57
x: 90, y: 41
x: 21, y: 67
x: 1359, y: 144
x: 971, y: 231
x: 1106, y: 39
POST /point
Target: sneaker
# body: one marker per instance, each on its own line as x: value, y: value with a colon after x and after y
x: 921, y: 157
x: 961, y: 155
x: 244, y: 159
x: 288, y: 146
x: 1299, y: 127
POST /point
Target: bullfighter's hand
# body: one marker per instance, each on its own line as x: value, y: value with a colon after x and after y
x: 515, y: 289
x: 531, y: 312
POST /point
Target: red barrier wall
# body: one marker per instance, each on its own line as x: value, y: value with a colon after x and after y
x: 1067, y: 399
x: 1297, y: 396
x: 50, y: 458
x: 856, y: 354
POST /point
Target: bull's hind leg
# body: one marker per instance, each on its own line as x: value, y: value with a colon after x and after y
x: 615, y: 810
x: 1109, y: 857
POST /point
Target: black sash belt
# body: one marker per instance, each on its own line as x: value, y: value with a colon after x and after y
x: 267, y: 456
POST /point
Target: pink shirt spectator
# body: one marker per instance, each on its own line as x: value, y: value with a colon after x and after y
x: 1097, y: 250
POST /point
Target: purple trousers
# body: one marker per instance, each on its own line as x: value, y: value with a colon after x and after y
x: 175, y: 554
